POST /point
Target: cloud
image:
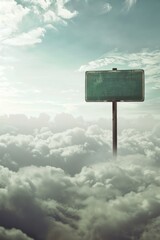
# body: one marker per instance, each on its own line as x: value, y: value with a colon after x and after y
x: 107, y: 7
x: 64, y: 12
x: 73, y: 145
x: 39, y: 12
x: 61, y: 183
x: 30, y: 206
x: 50, y: 16
x: 20, y: 123
x: 69, y: 150
x: 147, y: 60
x: 11, y: 15
x: 13, y: 234
x: 53, y: 12
x: 152, y: 230
x: 44, y: 4
x: 129, y: 4
x: 25, y: 39
x: 24, y: 23
x: 115, y: 200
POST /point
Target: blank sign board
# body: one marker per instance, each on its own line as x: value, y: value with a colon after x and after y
x: 114, y: 85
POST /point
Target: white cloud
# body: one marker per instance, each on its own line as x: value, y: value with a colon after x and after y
x: 11, y: 14
x: 13, y: 234
x: 107, y: 199
x: 114, y: 200
x: 44, y: 4
x: 129, y: 4
x: 70, y: 147
x: 70, y: 150
x: 30, y: 38
x: 25, y: 23
x: 64, y: 12
x: 107, y: 7
x: 53, y: 11
x: 147, y: 60
x: 51, y: 16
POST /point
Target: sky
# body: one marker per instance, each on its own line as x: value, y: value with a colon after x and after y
x: 58, y: 178
x: 46, y: 46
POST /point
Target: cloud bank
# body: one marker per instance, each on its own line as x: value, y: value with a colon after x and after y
x: 113, y: 201
x: 63, y: 184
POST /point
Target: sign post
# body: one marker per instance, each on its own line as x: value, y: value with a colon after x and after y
x: 114, y: 86
x: 114, y: 127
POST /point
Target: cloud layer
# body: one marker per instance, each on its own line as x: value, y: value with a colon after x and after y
x: 65, y: 185
x: 114, y: 201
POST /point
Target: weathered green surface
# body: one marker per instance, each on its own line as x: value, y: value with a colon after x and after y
x: 119, y: 85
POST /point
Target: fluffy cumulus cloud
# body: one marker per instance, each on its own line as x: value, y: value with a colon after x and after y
x: 13, y: 234
x: 72, y: 145
x: 69, y: 150
x: 113, y: 201
x: 64, y: 12
x: 44, y: 4
x: 64, y: 184
x: 39, y: 13
x: 11, y: 14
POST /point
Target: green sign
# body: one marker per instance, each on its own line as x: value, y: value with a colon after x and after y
x: 114, y: 85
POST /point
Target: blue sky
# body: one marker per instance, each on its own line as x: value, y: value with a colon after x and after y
x: 46, y: 46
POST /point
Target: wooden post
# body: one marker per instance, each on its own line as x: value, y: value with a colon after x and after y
x: 114, y: 127
x: 114, y: 124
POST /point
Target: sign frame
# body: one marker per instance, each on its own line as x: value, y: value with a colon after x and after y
x: 116, y: 98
